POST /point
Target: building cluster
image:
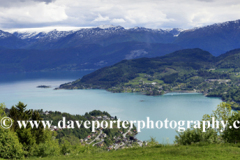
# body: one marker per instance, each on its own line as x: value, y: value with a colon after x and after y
x: 123, y: 140
x: 219, y: 80
x: 120, y: 143
x: 94, y: 136
x: 102, y: 118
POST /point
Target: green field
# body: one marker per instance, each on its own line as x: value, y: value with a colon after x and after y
x: 142, y: 79
x: 171, y: 152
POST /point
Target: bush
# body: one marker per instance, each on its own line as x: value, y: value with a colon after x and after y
x: 231, y: 134
x: 9, y: 145
x: 222, y: 113
x: 79, y: 148
x: 196, y: 135
x: 65, y: 147
x: 152, y: 141
x: 49, y: 147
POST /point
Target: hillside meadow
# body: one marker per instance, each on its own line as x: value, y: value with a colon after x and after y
x: 179, y: 152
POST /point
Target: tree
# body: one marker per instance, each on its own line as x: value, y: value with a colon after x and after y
x: 27, y: 136
x: 231, y: 134
x: 37, y: 132
x: 2, y: 110
x: 222, y: 113
x: 212, y: 135
x: 48, y: 147
x: 9, y: 144
x: 19, y: 113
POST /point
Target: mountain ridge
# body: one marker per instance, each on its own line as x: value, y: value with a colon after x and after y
x: 178, y: 62
x: 111, y: 44
x: 85, y: 56
x: 216, y: 38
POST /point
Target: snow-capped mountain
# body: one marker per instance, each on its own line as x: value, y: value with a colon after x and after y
x: 217, y: 38
x: 214, y: 27
x: 56, y: 34
x: 103, y: 35
x: 175, y: 31
x: 8, y: 40
x: 94, y: 31
x: 110, y: 27
x: 51, y: 35
x: 95, y: 47
x: 4, y: 34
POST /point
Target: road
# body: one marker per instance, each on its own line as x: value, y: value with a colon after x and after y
x: 116, y: 147
x: 124, y: 134
x: 98, y: 142
x: 96, y: 137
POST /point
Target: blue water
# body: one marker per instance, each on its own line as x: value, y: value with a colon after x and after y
x: 126, y: 106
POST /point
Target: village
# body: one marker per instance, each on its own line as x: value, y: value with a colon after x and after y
x: 102, y: 138
x: 123, y: 140
x: 152, y: 86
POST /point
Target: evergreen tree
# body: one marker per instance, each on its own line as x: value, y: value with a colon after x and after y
x: 27, y: 136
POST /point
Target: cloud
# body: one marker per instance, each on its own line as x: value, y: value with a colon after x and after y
x: 118, y: 20
x: 19, y: 3
x: 128, y: 13
x: 28, y: 15
x: 46, y: 1
x: 100, y: 18
x: 206, y: 0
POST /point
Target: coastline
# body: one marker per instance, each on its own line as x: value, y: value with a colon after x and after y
x: 182, y: 91
x: 166, y: 92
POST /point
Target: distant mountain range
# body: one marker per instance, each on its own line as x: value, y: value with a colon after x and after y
x: 92, y: 48
x: 103, y: 36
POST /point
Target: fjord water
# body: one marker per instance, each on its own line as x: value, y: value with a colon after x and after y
x: 126, y: 106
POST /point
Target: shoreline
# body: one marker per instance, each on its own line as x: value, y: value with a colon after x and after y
x: 183, y: 91
x: 176, y: 91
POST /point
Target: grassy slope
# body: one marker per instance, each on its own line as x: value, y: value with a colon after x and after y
x: 215, y: 151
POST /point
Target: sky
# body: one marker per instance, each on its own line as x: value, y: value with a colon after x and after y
x: 185, y: 14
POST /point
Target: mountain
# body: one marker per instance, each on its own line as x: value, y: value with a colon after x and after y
x: 93, y: 48
x: 216, y: 39
x: 85, y: 56
x: 31, y: 38
x: 104, y: 37
x: 230, y: 59
x: 180, y: 61
x: 175, y: 31
x: 8, y: 40
x: 54, y: 34
x: 188, y: 70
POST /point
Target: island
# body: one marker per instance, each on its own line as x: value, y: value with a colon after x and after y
x: 43, y: 86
